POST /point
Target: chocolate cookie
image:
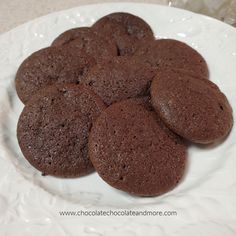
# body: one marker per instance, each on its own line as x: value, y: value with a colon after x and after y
x: 53, y: 129
x: 93, y: 44
x: 171, y: 53
x: 49, y: 66
x: 119, y: 78
x: 133, y: 151
x: 195, y: 109
x: 127, y: 30
x: 70, y: 35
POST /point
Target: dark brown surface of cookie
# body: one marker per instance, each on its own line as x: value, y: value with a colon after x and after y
x: 127, y: 30
x: 70, y: 35
x: 48, y: 66
x: 171, y: 53
x: 93, y: 44
x: 53, y: 129
x: 195, y: 109
x: 133, y: 151
x: 119, y: 78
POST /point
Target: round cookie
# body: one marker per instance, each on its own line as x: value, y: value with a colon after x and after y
x: 127, y: 30
x: 171, y: 53
x: 93, y: 44
x: 119, y: 78
x: 53, y: 129
x: 195, y: 109
x: 48, y: 66
x: 70, y: 35
x: 133, y: 151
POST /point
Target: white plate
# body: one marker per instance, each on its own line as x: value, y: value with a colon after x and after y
x: 205, y: 200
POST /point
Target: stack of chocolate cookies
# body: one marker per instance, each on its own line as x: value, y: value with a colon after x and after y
x: 114, y: 99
